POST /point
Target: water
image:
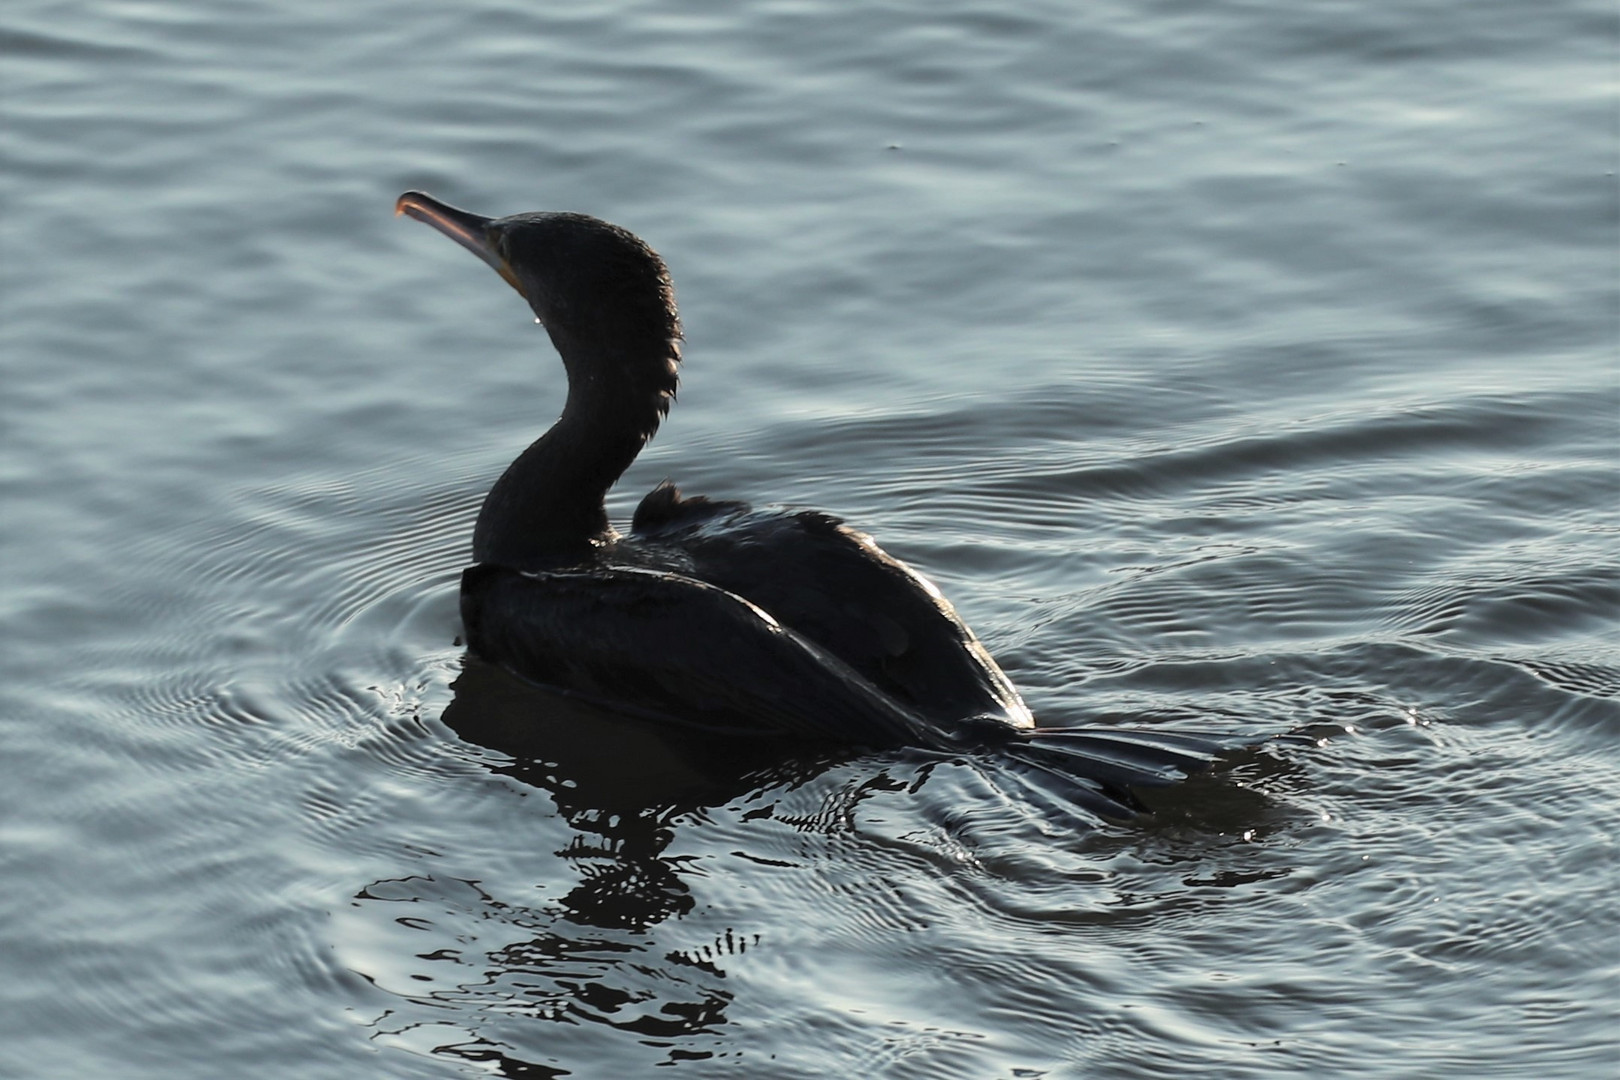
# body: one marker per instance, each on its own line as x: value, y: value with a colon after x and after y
x: 1241, y: 366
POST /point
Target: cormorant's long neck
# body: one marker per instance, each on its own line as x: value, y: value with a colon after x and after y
x: 549, y: 504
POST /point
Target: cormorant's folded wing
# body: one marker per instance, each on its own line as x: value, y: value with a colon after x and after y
x: 667, y: 645
x: 834, y: 586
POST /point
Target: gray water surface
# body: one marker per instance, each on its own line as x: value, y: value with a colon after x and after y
x: 1237, y: 366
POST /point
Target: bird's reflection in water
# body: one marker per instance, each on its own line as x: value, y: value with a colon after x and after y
x: 622, y: 784
x: 592, y: 956
x: 619, y: 781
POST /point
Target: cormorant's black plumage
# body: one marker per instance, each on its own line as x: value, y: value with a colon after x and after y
x: 713, y: 614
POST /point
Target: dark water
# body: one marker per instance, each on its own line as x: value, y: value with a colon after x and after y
x: 1249, y: 366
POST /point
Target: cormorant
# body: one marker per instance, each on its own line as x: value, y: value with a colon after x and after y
x: 713, y: 614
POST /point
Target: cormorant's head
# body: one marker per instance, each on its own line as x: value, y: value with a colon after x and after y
x: 595, y: 287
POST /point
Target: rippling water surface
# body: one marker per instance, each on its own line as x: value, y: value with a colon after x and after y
x: 1246, y: 366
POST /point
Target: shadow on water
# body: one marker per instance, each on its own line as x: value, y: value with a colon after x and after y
x: 589, y: 952
x: 588, y: 955
x: 619, y: 782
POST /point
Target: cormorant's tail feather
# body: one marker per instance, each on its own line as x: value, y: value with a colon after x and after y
x: 1072, y: 786
x: 1107, y: 762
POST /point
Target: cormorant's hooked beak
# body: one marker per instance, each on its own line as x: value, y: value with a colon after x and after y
x: 469, y: 230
